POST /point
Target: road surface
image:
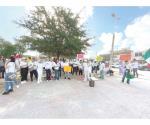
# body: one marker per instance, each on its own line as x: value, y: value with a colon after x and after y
x: 75, y: 99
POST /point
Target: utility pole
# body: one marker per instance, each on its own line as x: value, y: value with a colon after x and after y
x: 113, y: 40
x: 112, y: 50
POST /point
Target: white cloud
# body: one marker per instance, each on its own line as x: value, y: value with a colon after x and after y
x: 136, y: 36
x: 106, y: 39
x: 138, y: 32
x: 90, y: 54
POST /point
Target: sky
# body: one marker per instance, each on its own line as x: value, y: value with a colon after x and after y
x: 131, y: 26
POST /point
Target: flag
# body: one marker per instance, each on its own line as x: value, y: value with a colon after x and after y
x: 99, y: 58
x: 146, y: 56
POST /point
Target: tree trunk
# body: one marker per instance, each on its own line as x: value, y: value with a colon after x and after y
x: 58, y: 55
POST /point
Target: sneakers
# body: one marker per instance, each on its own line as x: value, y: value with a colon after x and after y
x: 17, y: 86
x: 5, y: 93
x: 22, y: 82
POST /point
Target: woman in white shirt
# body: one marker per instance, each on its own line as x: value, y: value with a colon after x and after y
x: 9, y: 75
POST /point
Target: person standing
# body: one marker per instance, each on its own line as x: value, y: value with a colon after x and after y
x: 2, y: 67
x: 9, y: 75
x: 32, y: 65
x: 48, y: 68
x: 126, y: 73
x: 86, y: 70
x: 102, y: 68
x: 24, y: 70
x: 40, y: 71
x: 56, y: 66
x: 135, y: 67
x: 67, y: 69
x: 75, y: 68
x: 80, y: 68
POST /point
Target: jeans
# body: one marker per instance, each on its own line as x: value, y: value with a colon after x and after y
x: 124, y: 76
x: 80, y: 72
x: 75, y: 70
x: 102, y: 74
x: 2, y: 71
x: 48, y: 74
x: 135, y: 72
x: 8, y: 82
x: 67, y: 75
x: 57, y: 73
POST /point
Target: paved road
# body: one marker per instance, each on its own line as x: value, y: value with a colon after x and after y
x: 75, y: 99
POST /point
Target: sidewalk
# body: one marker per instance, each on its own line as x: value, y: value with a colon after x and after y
x: 75, y: 99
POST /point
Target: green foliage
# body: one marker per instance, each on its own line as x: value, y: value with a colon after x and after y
x: 6, y: 48
x: 20, y: 47
x: 57, y: 33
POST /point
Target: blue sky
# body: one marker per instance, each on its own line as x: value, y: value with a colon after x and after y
x: 99, y: 23
x: 8, y: 29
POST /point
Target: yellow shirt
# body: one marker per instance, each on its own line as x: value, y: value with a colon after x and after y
x: 67, y: 68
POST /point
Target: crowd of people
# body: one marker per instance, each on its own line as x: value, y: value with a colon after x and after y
x: 30, y: 69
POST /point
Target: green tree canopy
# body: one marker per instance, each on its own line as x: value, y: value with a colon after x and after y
x: 57, y: 33
x: 6, y: 48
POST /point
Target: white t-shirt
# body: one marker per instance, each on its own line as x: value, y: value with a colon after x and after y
x: 135, y: 65
x: 10, y: 67
x: 23, y: 64
x: 30, y: 65
x: 65, y: 64
x: 35, y: 63
x: 48, y: 65
x: 40, y: 67
x: 102, y: 66
x: 56, y: 66
x: 86, y: 68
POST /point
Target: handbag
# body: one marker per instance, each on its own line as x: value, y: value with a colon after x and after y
x: 12, y: 77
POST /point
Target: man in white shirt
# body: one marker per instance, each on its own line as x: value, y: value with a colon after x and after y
x: 135, y: 66
x: 87, y: 68
x: 56, y: 66
x: 32, y: 65
x: 40, y: 70
x: 24, y: 70
x: 102, y: 68
x: 126, y: 72
x: 48, y: 68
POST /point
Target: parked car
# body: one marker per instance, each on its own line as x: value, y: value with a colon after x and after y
x: 115, y: 65
x: 144, y: 67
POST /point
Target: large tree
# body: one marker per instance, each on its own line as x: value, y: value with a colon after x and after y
x: 56, y: 33
x: 6, y: 48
